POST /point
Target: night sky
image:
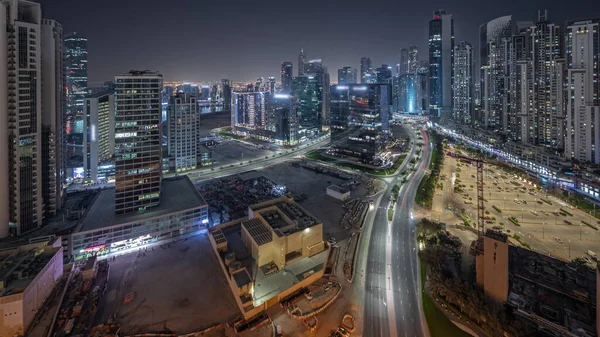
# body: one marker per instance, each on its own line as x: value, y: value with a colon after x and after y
x: 206, y: 40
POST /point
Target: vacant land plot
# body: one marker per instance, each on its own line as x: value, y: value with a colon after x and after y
x: 517, y: 207
x: 178, y: 288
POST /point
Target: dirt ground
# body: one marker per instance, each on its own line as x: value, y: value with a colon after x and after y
x: 562, y: 235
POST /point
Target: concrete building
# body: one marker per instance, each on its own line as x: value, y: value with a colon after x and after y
x: 338, y: 192
x: 28, y: 274
x: 281, y: 251
x: 308, y: 91
x: 53, y: 105
x: 558, y: 297
x: 302, y: 61
x: 138, y: 139
x: 441, y: 60
x: 99, y: 138
x: 226, y: 89
x: 180, y: 210
x: 384, y: 74
x: 463, y: 83
x: 582, y: 139
x: 21, y: 198
x: 183, y: 123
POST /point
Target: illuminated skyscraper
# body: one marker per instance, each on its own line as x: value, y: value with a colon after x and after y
x: 226, y: 96
x: 76, y: 55
x: 404, y: 61
x: 360, y: 115
x: 138, y: 141
x: 308, y: 92
x: 463, y: 83
x: 183, y: 122
x: 272, y: 85
x: 283, y: 109
x: 346, y: 75
x: 248, y: 111
x: 286, y: 76
x: 441, y: 46
x: 413, y: 59
x: 366, y: 69
x: 99, y: 134
x: 583, y: 91
x: 384, y: 74
x: 301, y: 62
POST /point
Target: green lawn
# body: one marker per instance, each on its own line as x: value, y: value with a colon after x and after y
x: 439, y: 324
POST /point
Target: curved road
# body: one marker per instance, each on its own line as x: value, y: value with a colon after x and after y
x: 392, y: 305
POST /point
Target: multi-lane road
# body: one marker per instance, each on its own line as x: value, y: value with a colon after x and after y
x: 390, y: 274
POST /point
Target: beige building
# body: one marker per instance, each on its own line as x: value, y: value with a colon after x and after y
x: 558, y: 297
x: 281, y: 251
x: 28, y: 275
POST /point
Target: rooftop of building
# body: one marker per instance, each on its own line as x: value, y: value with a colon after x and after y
x: 496, y: 235
x: 284, y: 216
x: 177, y: 194
x: 141, y: 73
x: 101, y: 93
x: 20, y: 266
x: 338, y: 189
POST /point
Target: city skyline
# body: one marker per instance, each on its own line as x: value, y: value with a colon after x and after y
x: 121, y: 46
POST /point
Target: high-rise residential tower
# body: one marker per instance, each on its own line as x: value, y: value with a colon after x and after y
x: 76, y: 55
x: 308, y: 95
x: 286, y: 76
x: 366, y: 69
x: 53, y: 105
x: 302, y: 60
x: 248, y: 111
x: 413, y: 59
x: 582, y: 138
x: 138, y: 141
x: 441, y: 60
x: 21, y: 203
x: 99, y: 134
x: 463, y: 83
x: 346, y: 75
x: 183, y: 122
x: 404, y: 61
x: 494, y: 71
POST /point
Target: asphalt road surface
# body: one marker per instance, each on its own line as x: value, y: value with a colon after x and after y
x: 392, y: 304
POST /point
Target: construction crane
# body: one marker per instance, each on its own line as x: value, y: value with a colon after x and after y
x: 480, y: 206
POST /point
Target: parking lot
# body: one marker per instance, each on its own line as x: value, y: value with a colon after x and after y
x: 177, y: 287
x: 517, y: 207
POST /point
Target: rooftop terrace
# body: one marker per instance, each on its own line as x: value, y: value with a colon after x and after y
x: 19, y: 267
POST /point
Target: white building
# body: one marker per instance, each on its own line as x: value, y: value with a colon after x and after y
x: 183, y: 120
x: 339, y: 193
x: 28, y: 275
x: 583, y: 101
x: 99, y: 129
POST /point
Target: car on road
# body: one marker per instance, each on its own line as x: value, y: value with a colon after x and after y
x: 557, y: 239
x: 568, y: 222
x: 534, y: 213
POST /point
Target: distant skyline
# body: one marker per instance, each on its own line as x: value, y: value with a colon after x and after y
x: 195, y: 41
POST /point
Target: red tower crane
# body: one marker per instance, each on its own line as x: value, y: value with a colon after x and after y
x: 480, y: 206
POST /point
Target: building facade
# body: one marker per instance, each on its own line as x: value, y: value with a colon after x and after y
x: 347, y: 75
x: 138, y: 140
x: 582, y: 138
x: 463, y: 83
x: 360, y: 116
x: 413, y: 59
x: 403, y: 66
x: 226, y: 90
x: 99, y: 137
x: 366, y: 70
x: 248, y: 111
x: 384, y: 74
x: 53, y: 106
x: 283, y: 109
x: 76, y: 55
x: 287, y: 73
x: 302, y: 60
x: 308, y: 92
x: 441, y: 60
x: 21, y: 203
x: 183, y: 122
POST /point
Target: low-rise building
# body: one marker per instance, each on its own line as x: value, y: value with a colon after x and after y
x: 28, y: 274
x: 275, y: 251
x: 339, y: 193
x: 100, y: 231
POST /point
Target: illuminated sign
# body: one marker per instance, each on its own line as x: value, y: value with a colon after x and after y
x: 94, y: 248
x: 281, y: 96
x: 361, y: 88
x: 78, y: 173
x: 342, y: 87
